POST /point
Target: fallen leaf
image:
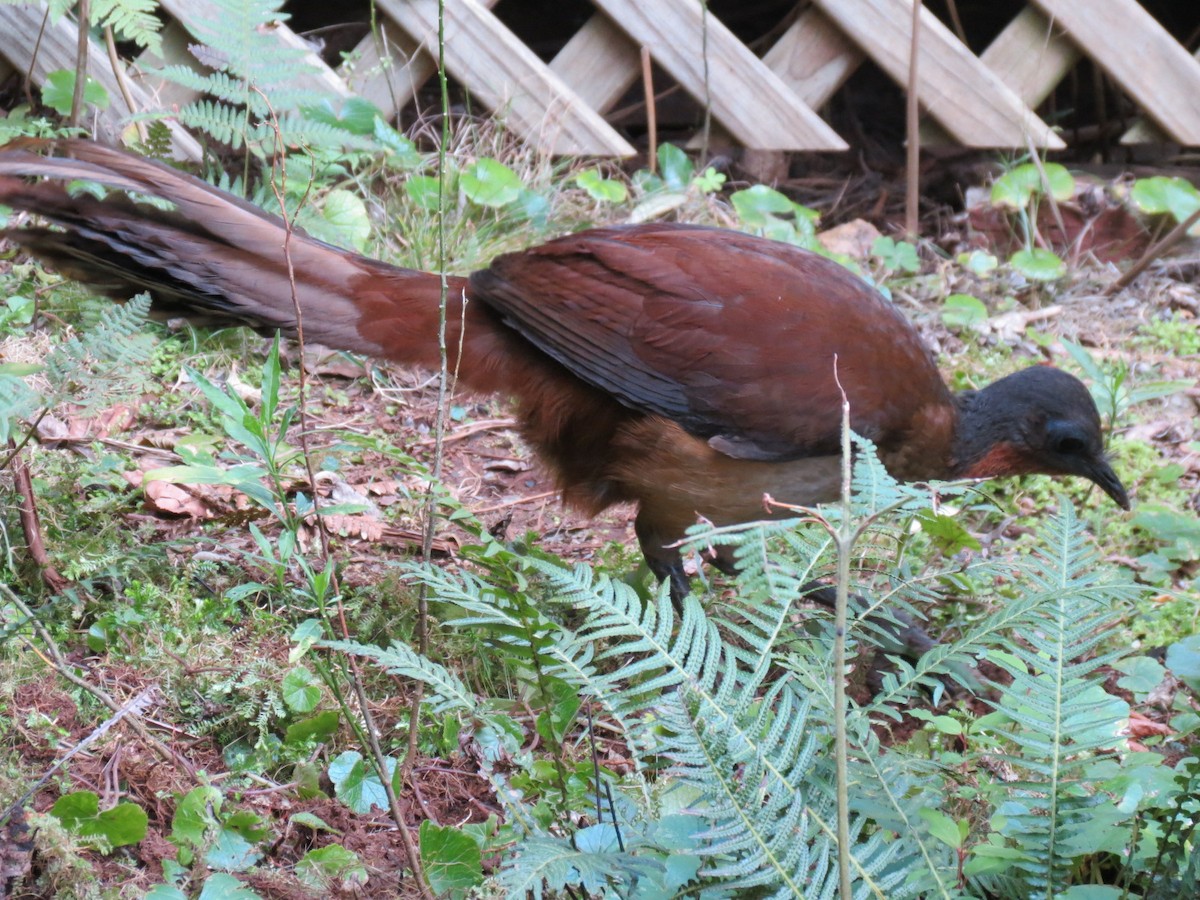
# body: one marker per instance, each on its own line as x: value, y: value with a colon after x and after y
x: 853, y: 239
x: 174, y: 500
x: 1140, y: 726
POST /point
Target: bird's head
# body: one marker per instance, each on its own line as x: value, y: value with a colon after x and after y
x: 1037, y: 421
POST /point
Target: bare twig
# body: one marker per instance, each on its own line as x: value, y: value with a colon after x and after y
x: 1173, y: 237
x: 504, y: 504
x: 27, y: 81
x: 15, y: 449
x: 122, y: 85
x: 706, y: 128
x: 1050, y: 198
x: 84, y: 11
x: 912, y: 195
x: 651, y: 112
x: 31, y: 525
x: 474, y: 428
x: 278, y: 186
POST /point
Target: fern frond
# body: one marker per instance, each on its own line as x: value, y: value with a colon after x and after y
x: 1060, y: 718
x: 221, y: 85
x: 252, y: 76
x: 132, y: 20
x: 222, y: 122
x: 111, y: 357
x: 544, y: 863
x: 17, y: 401
x: 447, y: 691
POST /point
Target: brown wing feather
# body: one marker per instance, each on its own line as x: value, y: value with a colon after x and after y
x: 731, y: 336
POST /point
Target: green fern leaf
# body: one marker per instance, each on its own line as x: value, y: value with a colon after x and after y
x: 132, y: 20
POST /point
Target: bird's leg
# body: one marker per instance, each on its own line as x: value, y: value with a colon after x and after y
x: 665, y: 562
x: 901, y: 634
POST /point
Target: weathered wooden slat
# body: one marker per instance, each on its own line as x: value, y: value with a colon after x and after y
x: 57, y: 50
x: 388, y: 68
x: 1141, y: 56
x: 954, y: 86
x: 1031, y: 55
x: 507, y: 77
x: 814, y: 57
x: 599, y: 63
x: 746, y: 97
x: 1145, y: 131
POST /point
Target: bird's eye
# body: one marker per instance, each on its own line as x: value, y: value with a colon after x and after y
x: 1069, y: 446
x: 1066, y: 438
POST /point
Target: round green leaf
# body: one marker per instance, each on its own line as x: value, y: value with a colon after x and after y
x: 490, y: 183
x: 452, y: 860
x: 80, y: 813
x: 423, y: 191
x: 58, y: 91
x: 301, y: 690
x: 194, y: 816
x: 676, y: 169
x: 605, y: 190
x: 1142, y: 674
x: 1183, y: 659
x: 756, y: 205
x: 1160, y: 194
x: 1016, y: 187
x: 164, y: 892
x: 347, y: 219
x: 980, y: 262
x: 232, y: 852
x: 1038, y: 264
x: 963, y: 311
x: 220, y: 886
x: 355, y: 785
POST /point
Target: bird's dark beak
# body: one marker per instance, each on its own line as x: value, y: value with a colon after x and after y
x: 1103, y: 475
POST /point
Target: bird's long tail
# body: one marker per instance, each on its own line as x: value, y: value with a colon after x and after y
x: 216, y: 258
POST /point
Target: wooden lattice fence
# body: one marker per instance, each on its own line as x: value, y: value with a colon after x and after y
x: 767, y: 102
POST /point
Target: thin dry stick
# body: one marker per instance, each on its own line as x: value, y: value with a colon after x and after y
x: 651, y: 113
x: 279, y: 187
x: 81, y: 62
x: 27, y: 81
x: 439, y: 432
x: 706, y: 130
x: 31, y: 525
x: 952, y: 8
x: 14, y: 450
x: 1174, y: 236
x: 504, y: 504
x: 844, y: 540
x: 912, y: 194
x: 119, y: 73
x: 443, y: 400
x: 1054, y: 210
